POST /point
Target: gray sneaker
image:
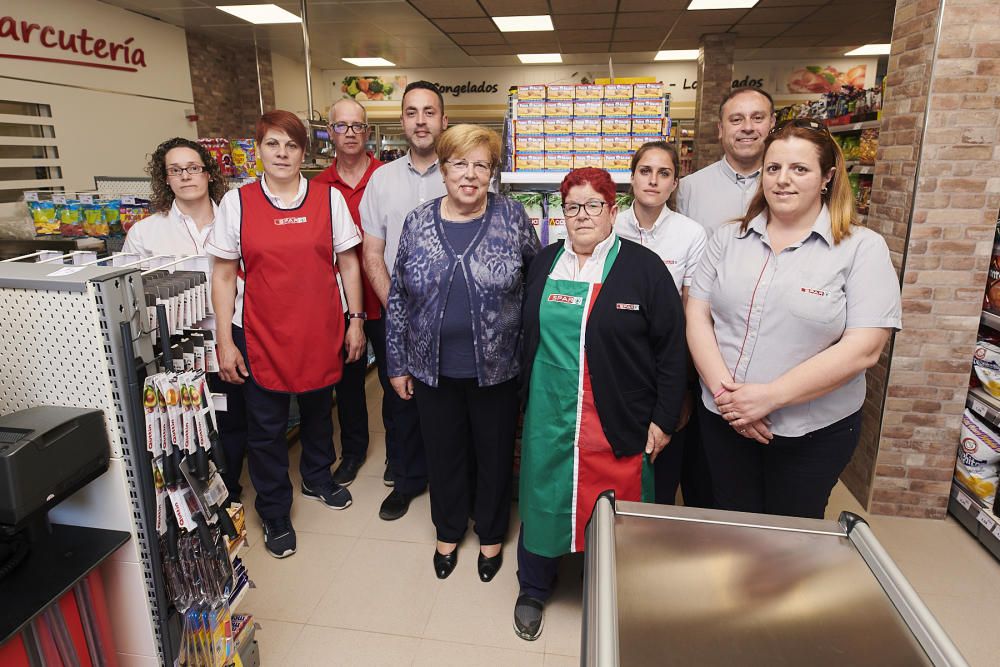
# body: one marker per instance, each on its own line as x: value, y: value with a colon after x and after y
x: 332, y: 495
x: 279, y: 537
x: 529, y: 614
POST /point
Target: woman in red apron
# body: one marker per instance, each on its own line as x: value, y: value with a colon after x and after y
x: 276, y: 243
x: 604, y: 363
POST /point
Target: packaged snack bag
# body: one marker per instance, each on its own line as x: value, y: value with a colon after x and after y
x: 986, y: 363
x: 43, y: 214
x: 112, y: 216
x: 244, y: 158
x: 978, y: 458
x: 93, y: 220
x: 71, y: 219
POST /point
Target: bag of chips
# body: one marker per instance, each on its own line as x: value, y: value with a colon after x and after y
x: 986, y: 363
x: 978, y: 458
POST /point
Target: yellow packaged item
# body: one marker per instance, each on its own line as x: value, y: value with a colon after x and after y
x: 529, y: 162
x: 616, y: 125
x: 622, y: 91
x: 649, y: 90
x: 647, y: 126
x: 986, y: 364
x: 978, y: 459
x: 586, y: 142
x: 530, y: 126
x: 616, y: 143
x: 648, y: 107
x: 558, y: 125
x: 559, y: 143
x: 560, y: 92
x: 587, y: 108
x: 586, y: 125
x: 617, y: 108
x: 617, y: 161
x: 589, y: 91
x: 559, y: 108
x: 530, y: 93
x: 530, y: 108
x: 581, y: 160
x: 530, y: 143
x: 558, y: 161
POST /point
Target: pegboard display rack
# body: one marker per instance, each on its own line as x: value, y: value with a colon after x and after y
x: 60, y: 344
x: 141, y: 186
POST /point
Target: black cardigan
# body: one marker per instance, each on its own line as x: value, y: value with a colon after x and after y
x: 637, y: 358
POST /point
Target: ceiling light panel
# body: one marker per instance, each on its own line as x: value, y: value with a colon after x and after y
x: 683, y: 54
x: 260, y: 14
x: 535, y: 58
x: 721, y: 4
x: 369, y: 62
x: 523, y: 23
x: 871, y: 50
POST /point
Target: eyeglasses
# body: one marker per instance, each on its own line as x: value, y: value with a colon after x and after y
x: 481, y: 168
x: 592, y: 207
x: 191, y: 169
x: 342, y: 128
x: 805, y: 123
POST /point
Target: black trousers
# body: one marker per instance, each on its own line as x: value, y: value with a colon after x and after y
x: 667, y: 468
x: 696, y: 476
x: 788, y: 476
x: 404, y: 444
x: 352, y: 409
x: 232, y: 431
x: 461, y: 420
x: 536, y: 575
x: 267, y: 448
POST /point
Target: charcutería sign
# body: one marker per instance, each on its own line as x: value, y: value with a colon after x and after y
x: 124, y: 55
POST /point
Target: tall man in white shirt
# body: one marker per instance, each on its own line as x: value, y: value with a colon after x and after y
x: 393, y: 191
x: 713, y: 196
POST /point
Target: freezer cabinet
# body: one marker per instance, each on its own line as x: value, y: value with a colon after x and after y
x: 668, y: 585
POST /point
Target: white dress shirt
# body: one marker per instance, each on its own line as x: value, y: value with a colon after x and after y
x: 568, y: 265
x: 170, y: 233
x: 677, y: 239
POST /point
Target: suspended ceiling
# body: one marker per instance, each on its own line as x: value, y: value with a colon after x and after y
x: 459, y: 33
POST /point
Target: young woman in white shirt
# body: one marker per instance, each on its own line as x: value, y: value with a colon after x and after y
x: 679, y: 241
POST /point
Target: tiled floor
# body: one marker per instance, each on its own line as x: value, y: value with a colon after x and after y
x: 361, y: 591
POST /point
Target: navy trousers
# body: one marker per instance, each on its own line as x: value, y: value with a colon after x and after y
x: 536, y: 574
x: 232, y: 431
x: 352, y: 409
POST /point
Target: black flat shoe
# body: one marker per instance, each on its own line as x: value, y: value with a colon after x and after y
x: 444, y: 564
x: 489, y: 566
x: 529, y: 615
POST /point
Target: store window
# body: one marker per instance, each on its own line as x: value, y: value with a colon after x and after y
x: 29, y: 154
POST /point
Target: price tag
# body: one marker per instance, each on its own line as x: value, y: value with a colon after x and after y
x: 30, y: 196
x: 128, y: 200
x: 58, y: 199
x: 996, y: 532
x: 963, y: 500
x: 86, y: 199
x: 985, y: 519
x: 978, y: 408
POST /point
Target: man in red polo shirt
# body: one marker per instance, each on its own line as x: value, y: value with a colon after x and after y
x: 349, y: 174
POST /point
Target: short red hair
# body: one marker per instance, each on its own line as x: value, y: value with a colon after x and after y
x: 284, y: 121
x: 596, y: 178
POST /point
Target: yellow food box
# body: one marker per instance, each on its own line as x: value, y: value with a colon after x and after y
x: 616, y: 143
x: 529, y: 162
x: 649, y: 90
x: 617, y: 161
x: 587, y: 108
x: 530, y: 143
x: 581, y: 160
x: 530, y: 93
x: 647, y: 126
x: 558, y: 125
x: 639, y: 139
x: 530, y: 126
x: 560, y: 92
x: 616, y: 125
x: 589, y: 91
x: 648, y: 107
x: 530, y: 108
x: 617, y: 108
x: 558, y: 161
x: 586, y: 142
x: 622, y: 91
x: 559, y: 108
x: 587, y: 125
x: 559, y: 143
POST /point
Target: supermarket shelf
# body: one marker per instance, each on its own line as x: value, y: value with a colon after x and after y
x: 977, y: 519
x: 990, y: 320
x: 984, y: 405
x: 542, y: 178
x: 866, y: 169
x: 855, y: 127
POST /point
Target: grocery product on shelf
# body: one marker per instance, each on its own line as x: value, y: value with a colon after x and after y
x: 978, y: 458
x: 849, y: 105
x: 986, y: 364
x: 74, y: 218
x: 991, y: 299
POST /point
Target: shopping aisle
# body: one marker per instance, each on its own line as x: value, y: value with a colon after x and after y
x: 361, y: 591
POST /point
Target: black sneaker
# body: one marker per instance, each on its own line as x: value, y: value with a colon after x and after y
x: 346, y: 473
x: 394, y: 506
x: 529, y: 613
x: 279, y: 537
x: 387, y: 477
x: 332, y: 495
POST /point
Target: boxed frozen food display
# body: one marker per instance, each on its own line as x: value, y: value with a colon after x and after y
x: 647, y: 107
x: 649, y: 90
x: 616, y: 143
x: 558, y: 161
x: 617, y: 161
x: 586, y: 125
x: 589, y: 91
x: 529, y: 126
x: 616, y: 125
x: 532, y: 203
x: 647, y: 126
x: 559, y: 108
x: 639, y: 139
x: 530, y: 108
x: 587, y: 108
x: 586, y: 142
x: 581, y: 160
x: 558, y: 125
x: 530, y: 143
x: 622, y: 91
x: 986, y: 364
x: 560, y: 92
x: 530, y: 93
x: 616, y: 107
x: 529, y: 162
x: 978, y: 458
x: 559, y: 143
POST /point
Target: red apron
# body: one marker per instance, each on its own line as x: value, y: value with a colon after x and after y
x: 292, y: 314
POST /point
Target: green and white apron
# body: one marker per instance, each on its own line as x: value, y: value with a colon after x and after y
x: 566, y: 460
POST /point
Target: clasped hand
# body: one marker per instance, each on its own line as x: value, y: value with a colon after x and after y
x: 746, y: 407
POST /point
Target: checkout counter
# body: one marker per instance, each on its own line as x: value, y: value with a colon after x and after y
x: 667, y: 585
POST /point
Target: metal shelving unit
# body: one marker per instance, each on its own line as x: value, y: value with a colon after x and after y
x: 854, y: 127
x: 977, y: 519
x: 990, y: 320
x: 550, y: 179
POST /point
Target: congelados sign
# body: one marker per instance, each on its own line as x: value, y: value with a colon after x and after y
x: 467, y: 87
x: 103, y: 53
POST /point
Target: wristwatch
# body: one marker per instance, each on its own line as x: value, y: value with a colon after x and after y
x: 357, y: 316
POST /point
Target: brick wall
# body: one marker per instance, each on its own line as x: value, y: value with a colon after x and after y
x: 224, y: 81
x: 715, y: 78
x: 935, y: 199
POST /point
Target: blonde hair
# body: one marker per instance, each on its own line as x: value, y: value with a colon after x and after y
x: 460, y: 139
x: 838, y: 196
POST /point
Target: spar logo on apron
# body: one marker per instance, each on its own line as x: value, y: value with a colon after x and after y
x: 566, y: 298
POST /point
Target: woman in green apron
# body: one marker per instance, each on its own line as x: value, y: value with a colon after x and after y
x: 604, y: 364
